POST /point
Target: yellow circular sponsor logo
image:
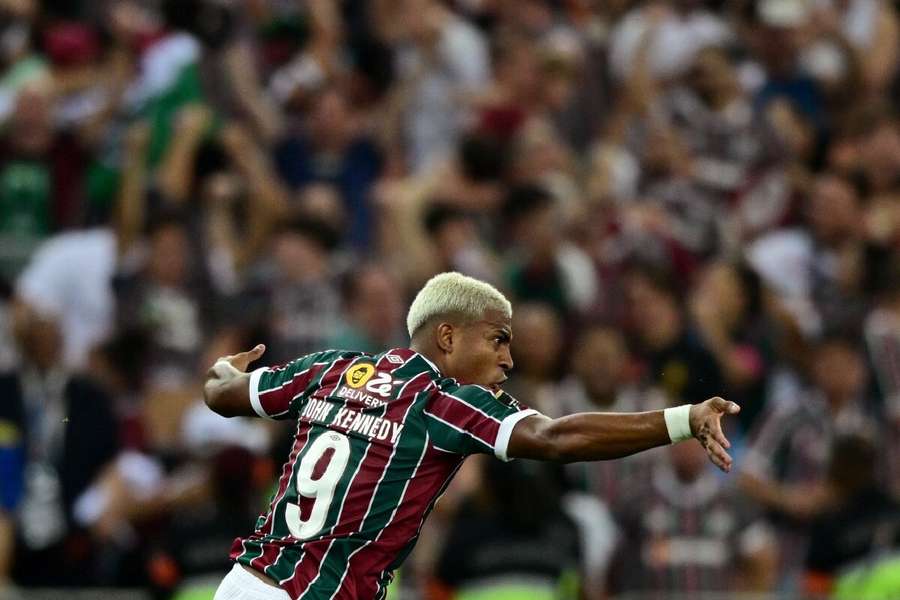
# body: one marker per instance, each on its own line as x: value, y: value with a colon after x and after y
x: 359, y: 375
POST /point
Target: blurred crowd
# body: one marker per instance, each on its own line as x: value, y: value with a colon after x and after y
x: 682, y: 198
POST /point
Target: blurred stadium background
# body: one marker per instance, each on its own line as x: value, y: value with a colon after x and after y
x: 683, y: 198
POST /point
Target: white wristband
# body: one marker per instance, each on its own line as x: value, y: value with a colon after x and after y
x: 224, y: 369
x: 678, y: 422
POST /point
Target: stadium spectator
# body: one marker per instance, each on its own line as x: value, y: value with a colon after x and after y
x: 166, y: 298
x: 441, y: 60
x: 674, y: 358
x: 498, y: 542
x: 188, y: 560
x: 685, y: 531
x: 542, y: 266
x: 728, y: 311
x: 882, y: 336
x: 42, y: 177
x: 295, y: 297
x: 21, y: 63
x: 785, y: 468
x: 334, y: 148
x: 540, y: 332
x: 820, y: 270
x: 457, y: 246
x: 372, y: 310
x: 71, y: 274
x: 677, y: 31
x: 863, y: 522
x: 877, y: 135
x: 472, y: 180
x: 603, y: 377
x: 60, y: 434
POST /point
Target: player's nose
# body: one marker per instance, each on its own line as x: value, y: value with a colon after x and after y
x: 506, y: 361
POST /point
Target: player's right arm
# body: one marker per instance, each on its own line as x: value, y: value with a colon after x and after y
x: 602, y: 436
x: 268, y: 392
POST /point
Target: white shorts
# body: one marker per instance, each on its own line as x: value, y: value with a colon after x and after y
x: 239, y: 584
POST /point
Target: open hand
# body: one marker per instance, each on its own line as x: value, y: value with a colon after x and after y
x: 706, y: 425
x: 241, y: 360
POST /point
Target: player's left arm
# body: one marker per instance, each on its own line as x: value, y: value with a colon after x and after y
x: 227, y: 387
x: 602, y: 436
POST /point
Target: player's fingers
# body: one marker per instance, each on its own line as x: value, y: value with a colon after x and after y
x: 245, y: 358
x: 716, y: 430
x: 717, y: 454
x: 256, y: 352
x: 722, y: 405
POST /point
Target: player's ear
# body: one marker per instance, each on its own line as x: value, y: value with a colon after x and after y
x: 445, y: 337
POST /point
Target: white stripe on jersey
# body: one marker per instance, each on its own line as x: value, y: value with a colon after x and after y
x: 471, y: 435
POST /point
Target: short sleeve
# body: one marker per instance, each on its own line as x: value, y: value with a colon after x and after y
x: 280, y: 392
x: 471, y: 419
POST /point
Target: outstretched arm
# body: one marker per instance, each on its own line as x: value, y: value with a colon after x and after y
x: 227, y: 387
x: 602, y: 436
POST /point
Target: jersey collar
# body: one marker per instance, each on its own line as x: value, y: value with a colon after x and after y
x: 409, y: 352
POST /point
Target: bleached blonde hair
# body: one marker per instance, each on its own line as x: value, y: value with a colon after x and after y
x: 454, y: 294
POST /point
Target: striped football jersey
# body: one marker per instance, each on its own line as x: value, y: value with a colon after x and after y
x: 378, y: 439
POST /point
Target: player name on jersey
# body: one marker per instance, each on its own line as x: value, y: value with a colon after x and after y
x: 353, y: 421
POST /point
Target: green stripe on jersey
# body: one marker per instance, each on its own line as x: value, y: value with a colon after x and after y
x: 284, y: 566
x: 273, y: 379
x: 279, y: 528
x: 409, y: 451
x: 494, y: 405
x: 358, y: 448
x: 452, y: 440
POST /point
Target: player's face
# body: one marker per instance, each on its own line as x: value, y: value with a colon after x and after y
x: 481, y: 351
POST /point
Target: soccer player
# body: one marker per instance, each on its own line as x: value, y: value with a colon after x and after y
x: 379, y: 437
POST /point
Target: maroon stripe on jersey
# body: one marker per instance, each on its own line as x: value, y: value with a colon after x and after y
x: 286, y: 474
x: 290, y: 465
x: 370, y: 470
x: 307, y: 568
x: 371, y: 473
x: 342, y: 364
x: 265, y: 559
x: 406, y: 521
x: 369, y: 477
x: 270, y: 553
x: 464, y: 416
x: 275, y: 400
x: 272, y: 549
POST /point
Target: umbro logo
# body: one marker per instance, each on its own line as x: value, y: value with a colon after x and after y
x: 393, y: 358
